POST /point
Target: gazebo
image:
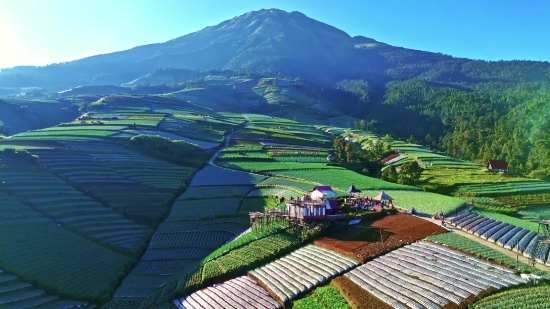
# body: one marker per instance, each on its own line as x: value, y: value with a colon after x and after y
x: 353, y: 191
x: 384, y: 197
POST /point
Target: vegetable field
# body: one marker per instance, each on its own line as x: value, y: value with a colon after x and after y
x: 424, y: 202
x: 464, y: 244
x: 215, y: 176
x: 211, y: 192
x: 533, y: 226
x: 241, y: 292
x: 301, y: 271
x: 536, y: 213
x: 342, y: 179
x: 323, y: 298
x: 287, y: 183
x: 504, y: 234
x: 35, y: 248
x: 204, y: 208
x: 503, y: 188
x: 426, y: 275
x: 15, y: 293
x: 535, y: 297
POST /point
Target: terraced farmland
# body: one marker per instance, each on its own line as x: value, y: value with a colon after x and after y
x: 503, y: 234
x: 36, y: 248
x: 425, y: 275
x: 16, y: 294
x: 215, y: 176
x: 287, y: 183
x: 125, y: 189
x: 489, y: 189
x: 341, y: 179
x: 53, y: 198
x: 301, y: 271
x: 241, y: 292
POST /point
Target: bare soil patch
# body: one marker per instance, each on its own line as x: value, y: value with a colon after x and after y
x: 363, y: 241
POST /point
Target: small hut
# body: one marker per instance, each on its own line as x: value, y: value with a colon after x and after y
x: 384, y: 197
x: 353, y: 191
x: 500, y: 166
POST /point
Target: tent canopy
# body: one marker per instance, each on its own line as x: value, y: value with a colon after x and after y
x: 353, y: 189
x: 383, y: 196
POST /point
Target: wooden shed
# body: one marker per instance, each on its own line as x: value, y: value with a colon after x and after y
x: 497, y: 166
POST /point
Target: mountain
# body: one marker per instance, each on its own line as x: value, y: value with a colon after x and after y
x: 473, y: 109
x: 271, y: 40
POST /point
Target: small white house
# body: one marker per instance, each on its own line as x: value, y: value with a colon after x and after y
x: 322, y: 192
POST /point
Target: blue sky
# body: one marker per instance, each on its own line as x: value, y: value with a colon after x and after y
x: 38, y: 32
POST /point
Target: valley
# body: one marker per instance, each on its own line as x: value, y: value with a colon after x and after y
x: 275, y: 161
x: 162, y: 190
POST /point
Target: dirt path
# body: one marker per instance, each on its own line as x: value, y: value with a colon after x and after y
x: 491, y: 245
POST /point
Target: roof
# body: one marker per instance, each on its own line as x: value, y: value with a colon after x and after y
x: 322, y: 188
x: 498, y: 164
x: 352, y: 189
x: 383, y: 196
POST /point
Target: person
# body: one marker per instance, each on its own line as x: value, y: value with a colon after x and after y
x: 442, y: 219
x: 413, y: 211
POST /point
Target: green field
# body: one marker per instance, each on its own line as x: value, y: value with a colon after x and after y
x: 468, y: 245
x: 533, y: 297
x: 533, y: 226
x: 342, y: 179
x: 323, y: 298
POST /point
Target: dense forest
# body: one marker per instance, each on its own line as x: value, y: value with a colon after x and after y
x: 493, y: 120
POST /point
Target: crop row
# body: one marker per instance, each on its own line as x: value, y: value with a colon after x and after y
x: 241, y: 292
x: 464, y: 244
x: 61, y: 256
x: 211, y: 239
x: 325, y: 297
x: 17, y: 294
x: 342, y: 179
x: 208, y: 192
x: 426, y: 275
x: 77, y: 211
x: 204, y: 208
x: 521, y: 298
x: 301, y: 271
x: 215, y: 176
x: 282, y: 182
x: 504, y: 234
x: 278, y: 192
x: 424, y: 202
x: 395, y: 159
x: 504, y: 188
x: 249, y: 255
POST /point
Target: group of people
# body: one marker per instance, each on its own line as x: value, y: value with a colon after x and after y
x: 367, y: 203
x: 437, y: 216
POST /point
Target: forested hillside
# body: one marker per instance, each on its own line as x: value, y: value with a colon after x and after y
x: 494, y: 120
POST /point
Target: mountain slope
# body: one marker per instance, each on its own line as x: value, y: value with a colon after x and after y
x: 275, y: 41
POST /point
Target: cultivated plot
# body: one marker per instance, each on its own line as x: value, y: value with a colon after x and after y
x: 425, y: 275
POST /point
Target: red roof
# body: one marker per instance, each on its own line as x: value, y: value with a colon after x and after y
x: 322, y: 188
x: 498, y: 164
